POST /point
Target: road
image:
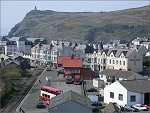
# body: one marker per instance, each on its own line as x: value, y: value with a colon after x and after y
x: 30, y: 101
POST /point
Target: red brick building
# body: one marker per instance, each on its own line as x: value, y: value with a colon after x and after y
x: 71, y: 65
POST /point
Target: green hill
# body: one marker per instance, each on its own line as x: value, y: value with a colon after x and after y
x: 92, y: 26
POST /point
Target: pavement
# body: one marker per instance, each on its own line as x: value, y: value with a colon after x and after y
x: 28, y: 105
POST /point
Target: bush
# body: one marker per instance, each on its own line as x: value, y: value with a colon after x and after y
x: 7, y: 95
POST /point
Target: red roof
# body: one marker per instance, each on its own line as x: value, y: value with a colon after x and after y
x: 68, y: 61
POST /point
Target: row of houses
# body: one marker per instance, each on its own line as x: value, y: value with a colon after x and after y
x: 118, y: 59
x: 15, y: 45
x: 96, y: 56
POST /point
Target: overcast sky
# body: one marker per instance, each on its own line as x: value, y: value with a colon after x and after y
x: 13, y: 12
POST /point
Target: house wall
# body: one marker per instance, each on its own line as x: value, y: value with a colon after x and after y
x: 71, y: 70
x: 139, y: 98
x: 10, y: 49
x: 95, y: 83
x: 117, y: 62
x: 135, y: 62
x: 101, y: 61
x: 117, y: 89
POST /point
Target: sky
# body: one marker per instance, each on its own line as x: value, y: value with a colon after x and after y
x: 13, y: 12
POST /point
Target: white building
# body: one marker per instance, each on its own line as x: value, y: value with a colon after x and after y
x: 23, y: 45
x: 16, y: 45
x: 40, y: 53
x: 118, y: 59
x: 124, y: 60
x: 128, y: 92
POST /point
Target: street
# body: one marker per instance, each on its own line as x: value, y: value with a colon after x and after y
x: 28, y: 105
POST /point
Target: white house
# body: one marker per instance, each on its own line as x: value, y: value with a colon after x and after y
x: 128, y: 92
x: 40, y: 53
x: 23, y: 45
x: 16, y: 45
x: 117, y: 59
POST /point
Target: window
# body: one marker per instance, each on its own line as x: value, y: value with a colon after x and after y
x: 132, y: 98
x: 99, y: 60
x: 113, y: 61
x: 120, y: 62
x: 95, y: 60
x: 124, y: 62
x: 104, y: 61
x: 116, y: 61
x: 111, y: 95
x: 120, y: 97
x: 104, y: 67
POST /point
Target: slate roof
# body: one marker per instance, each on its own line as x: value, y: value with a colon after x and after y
x: 69, y: 96
x: 140, y: 86
x: 117, y: 52
x: 129, y: 75
x: 105, y: 50
x: 17, y: 39
x: 3, y: 39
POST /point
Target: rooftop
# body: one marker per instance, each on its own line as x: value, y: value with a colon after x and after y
x: 70, y: 61
x: 141, y: 86
x: 130, y: 75
x: 69, y: 96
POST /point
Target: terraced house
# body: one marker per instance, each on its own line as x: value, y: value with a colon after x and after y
x: 117, y: 59
x: 15, y: 45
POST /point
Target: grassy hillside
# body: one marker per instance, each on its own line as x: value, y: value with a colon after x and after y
x: 91, y: 26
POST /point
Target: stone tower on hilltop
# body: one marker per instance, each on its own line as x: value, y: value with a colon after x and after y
x: 35, y: 8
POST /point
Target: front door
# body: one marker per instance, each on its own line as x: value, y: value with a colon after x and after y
x: 147, y: 98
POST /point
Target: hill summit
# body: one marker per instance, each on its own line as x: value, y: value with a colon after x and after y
x: 91, y: 26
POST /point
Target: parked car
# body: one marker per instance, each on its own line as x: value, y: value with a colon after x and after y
x: 69, y: 80
x: 140, y: 107
x: 130, y: 109
x: 40, y: 105
x: 147, y: 106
